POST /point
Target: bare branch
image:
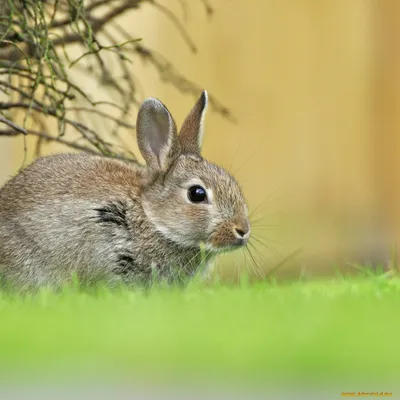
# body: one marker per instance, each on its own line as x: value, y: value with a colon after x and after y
x: 175, y: 20
x: 101, y: 114
x: 11, y: 124
x: 39, y: 85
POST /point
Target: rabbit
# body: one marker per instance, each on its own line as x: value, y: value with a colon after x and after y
x: 104, y: 219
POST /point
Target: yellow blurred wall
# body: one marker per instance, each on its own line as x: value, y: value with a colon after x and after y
x: 6, y: 159
x: 313, y: 85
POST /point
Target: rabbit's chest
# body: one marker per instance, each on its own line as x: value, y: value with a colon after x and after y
x: 136, y: 250
x: 145, y: 256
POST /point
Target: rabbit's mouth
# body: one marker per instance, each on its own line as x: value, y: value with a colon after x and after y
x: 224, y: 249
x: 228, y: 238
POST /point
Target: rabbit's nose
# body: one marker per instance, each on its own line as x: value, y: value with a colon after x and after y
x: 242, y: 230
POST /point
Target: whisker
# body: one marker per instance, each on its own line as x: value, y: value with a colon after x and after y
x: 249, y: 263
x: 247, y: 260
x: 247, y: 160
x: 204, y: 262
x: 234, y: 156
x: 275, y: 252
x: 255, y: 263
x: 257, y: 228
x: 236, y: 270
x: 262, y: 202
x: 260, y: 262
x: 267, y: 217
x: 258, y: 238
x: 262, y: 272
x: 183, y: 268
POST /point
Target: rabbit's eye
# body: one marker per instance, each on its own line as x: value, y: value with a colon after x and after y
x: 197, y: 194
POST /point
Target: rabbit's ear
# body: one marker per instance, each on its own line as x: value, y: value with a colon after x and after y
x: 191, y: 133
x: 156, y: 134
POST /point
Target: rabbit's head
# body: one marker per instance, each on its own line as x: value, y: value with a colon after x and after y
x: 189, y: 200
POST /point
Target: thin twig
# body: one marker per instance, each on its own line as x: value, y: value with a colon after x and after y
x: 101, y: 114
x: 11, y: 124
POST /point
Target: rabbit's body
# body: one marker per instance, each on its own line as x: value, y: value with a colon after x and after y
x: 88, y: 204
x: 110, y: 220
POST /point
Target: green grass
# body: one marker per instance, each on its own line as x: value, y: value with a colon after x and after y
x: 336, y: 330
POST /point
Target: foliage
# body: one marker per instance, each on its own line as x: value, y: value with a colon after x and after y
x: 38, y: 74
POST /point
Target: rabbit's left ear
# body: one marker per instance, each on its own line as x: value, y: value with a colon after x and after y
x: 191, y: 133
x: 156, y: 134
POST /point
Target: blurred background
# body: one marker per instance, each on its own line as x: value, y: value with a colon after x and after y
x: 313, y: 90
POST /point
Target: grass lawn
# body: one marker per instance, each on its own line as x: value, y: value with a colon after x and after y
x: 324, y: 331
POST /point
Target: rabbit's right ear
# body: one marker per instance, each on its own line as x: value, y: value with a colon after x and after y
x: 156, y: 134
x: 191, y: 133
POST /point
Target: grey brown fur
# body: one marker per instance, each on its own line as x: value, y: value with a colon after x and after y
x: 105, y: 219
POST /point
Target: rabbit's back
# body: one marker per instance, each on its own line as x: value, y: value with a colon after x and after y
x: 49, y: 216
x: 78, y: 175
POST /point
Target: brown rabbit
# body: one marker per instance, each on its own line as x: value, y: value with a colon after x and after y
x: 105, y: 219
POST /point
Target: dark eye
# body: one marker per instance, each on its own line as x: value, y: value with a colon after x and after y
x: 197, y: 194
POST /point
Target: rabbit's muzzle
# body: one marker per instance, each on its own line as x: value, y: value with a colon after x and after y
x: 241, y: 230
x: 230, y: 235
